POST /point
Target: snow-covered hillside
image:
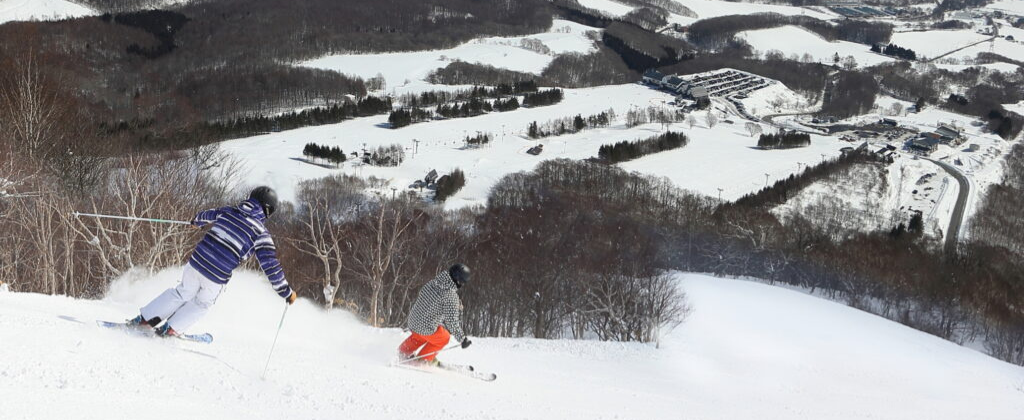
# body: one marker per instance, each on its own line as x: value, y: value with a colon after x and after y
x: 404, y: 71
x: 21, y: 10
x: 748, y: 350
x: 796, y: 40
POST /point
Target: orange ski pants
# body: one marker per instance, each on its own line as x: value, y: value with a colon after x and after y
x: 431, y: 343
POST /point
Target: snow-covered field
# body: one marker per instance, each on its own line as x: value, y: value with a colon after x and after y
x: 405, y: 71
x: 22, y: 10
x: 722, y: 156
x: 799, y: 41
x: 1012, y: 6
x: 931, y: 44
x: 748, y: 350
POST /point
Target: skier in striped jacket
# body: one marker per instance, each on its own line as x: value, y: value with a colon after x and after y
x: 436, y: 316
x: 236, y: 234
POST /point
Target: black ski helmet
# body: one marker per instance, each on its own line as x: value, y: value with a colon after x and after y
x: 266, y: 197
x: 459, y: 274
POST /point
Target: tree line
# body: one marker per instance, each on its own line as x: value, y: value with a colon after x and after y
x: 437, y: 97
x: 543, y: 98
x: 331, y: 154
x: 628, y: 150
x: 783, y: 140
x: 895, y: 51
x: 333, y: 114
x: 569, y: 125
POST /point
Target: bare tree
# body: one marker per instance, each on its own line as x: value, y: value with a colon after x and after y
x: 31, y: 106
x: 711, y: 119
x: 376, y: 247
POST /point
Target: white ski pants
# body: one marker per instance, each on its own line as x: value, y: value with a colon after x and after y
x: 186, y: 303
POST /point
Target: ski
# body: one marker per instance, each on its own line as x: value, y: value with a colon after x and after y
x: 464, y: 370
x: 204, y: 338
x: 468, y: 370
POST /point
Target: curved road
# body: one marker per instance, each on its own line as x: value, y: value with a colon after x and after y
x: 955, y: 222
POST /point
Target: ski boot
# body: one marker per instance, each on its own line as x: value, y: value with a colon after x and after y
x: 141, y: 323
x: 166, y: 331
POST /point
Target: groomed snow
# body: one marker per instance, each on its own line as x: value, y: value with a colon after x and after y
x: 796, y: 40
x: 748, y: 350
x: 410, y: 68
x: 24, y: 10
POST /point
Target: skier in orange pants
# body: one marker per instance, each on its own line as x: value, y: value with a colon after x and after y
x: 430, y: 343
x: 437, y: 311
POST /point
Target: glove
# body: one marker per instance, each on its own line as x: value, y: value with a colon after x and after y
x: 291, y: 298
x: 466, y: 342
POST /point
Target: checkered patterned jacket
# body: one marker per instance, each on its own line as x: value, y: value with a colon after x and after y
x: 437, y: 304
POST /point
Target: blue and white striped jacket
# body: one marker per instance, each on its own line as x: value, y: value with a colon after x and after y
x: 236, y: 235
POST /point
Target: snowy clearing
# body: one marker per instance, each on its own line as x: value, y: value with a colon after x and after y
x: 748, y: 350
x: 410, y: 68
x: 799, y: 41
x: 23, y: 10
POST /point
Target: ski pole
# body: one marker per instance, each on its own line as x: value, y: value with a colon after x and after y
x: 402, y: 362
x: 138, y: 219
x: 264, y: 376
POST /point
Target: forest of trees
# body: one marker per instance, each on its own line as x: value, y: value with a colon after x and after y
x: 334, y: 155
x: 641, y: 49
x: 895, y: 51
x: 477, y: 104
x: 463, y: 73
x: 165, y: 72
x: 851, y: 93
x: 404, y: 116
x: 569, y: 125
x: 436, y: 97
x: 543, y: 98
x: 629, y: 150
x: 784, y: 140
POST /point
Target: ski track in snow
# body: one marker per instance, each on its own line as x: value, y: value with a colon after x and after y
x: 748, y: 350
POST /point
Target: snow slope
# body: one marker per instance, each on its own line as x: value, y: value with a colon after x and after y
x: 796, y: 40
x: 22, y: 10
x: 748, y: 350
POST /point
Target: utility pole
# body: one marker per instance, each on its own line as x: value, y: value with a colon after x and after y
x: 394, y: 191
x: 719, y: 194
x: 823, y: 157
x: 766, y: 180
x: 417, y: 149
